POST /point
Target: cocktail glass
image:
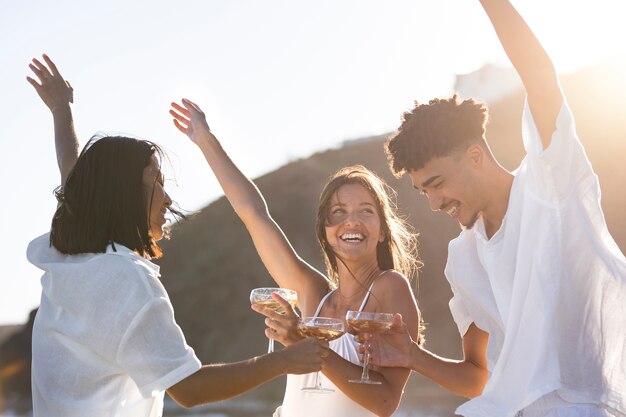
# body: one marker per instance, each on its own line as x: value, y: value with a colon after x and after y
x: 368, y: 322
x: 263, y: 297
x: 324, y: 328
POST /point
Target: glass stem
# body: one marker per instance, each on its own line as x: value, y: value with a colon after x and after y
x: 318, y: 380
x: 270, y: 346
x: 366, y: 362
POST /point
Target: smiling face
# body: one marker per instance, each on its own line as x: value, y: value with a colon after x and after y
x: 157, y: 199
x: 353, y: 227
x: 451, y: 184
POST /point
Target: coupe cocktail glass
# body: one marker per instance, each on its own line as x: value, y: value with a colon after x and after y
x: 263, y: 297
x: 368, y: 322
x: 324, y: 328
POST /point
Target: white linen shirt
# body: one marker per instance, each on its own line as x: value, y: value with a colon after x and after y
x: 105, y: 343
x: 549, y: 286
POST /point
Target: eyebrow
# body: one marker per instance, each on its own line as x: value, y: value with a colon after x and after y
x: 365, y: 203
x: 429, y: 181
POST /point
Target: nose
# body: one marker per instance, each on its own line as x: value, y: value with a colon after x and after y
x: 168, y: 200
x: 435, y: 201
x: 352, y: 217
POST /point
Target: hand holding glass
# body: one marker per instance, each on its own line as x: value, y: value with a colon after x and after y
x: 323, y: 328
x: 368, y: 322
x: 263, y: 297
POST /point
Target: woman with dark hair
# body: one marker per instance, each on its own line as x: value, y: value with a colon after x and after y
x: 369, y: 253
x: 105, y: 342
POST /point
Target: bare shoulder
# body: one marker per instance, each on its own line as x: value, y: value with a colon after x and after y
x: 392, y: 282
x: 392, y: 290
x: 394, y: 294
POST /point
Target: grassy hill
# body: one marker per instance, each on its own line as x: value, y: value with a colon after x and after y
x: 211, y: 264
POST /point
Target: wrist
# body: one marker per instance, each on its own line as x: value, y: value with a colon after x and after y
x: 205, y: 140
x: 281, y: 362
x: 61, y: 110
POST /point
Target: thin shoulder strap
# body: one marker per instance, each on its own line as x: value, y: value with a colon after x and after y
x: 319, y: 307
x: 367, y: 294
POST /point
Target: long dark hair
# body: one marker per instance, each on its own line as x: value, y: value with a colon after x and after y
x: 103, y: 201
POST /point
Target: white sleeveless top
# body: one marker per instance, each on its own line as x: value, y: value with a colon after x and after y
x: 298, y: 403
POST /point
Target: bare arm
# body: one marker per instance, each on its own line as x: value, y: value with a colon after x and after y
x: 466, y: 377
x: 391, y: 293
x: 277, y: 254
x: 531, y: 62
x: 220, y: 382
x: 57, y: 94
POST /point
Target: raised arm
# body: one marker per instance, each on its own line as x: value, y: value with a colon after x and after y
x: 531, y: 62
x: 57, y: 94
x: 277, y: 254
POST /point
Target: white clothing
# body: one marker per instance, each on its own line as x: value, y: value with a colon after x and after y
x: 551, y: 405
x: 549, y: 286
x: 105, y: 343
x: 298, y: 403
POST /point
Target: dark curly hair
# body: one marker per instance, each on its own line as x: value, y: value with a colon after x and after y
x: 435, y: 130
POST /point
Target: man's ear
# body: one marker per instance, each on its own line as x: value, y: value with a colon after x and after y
x: 475, y: 154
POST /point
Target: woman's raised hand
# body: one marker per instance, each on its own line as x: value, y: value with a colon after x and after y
x: 55, y: 92
x: 190, y: 120
x: 281, y: 327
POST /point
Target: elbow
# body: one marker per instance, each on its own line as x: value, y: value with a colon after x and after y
x: 475, y: 389
x: 386, y: 411
x: 387, y: 407
x: 187, y: 401
x: 184, y: 397
x: 186, y: 404
x: 473, y: 393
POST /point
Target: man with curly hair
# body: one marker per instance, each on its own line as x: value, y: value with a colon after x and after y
x: 538, y: 282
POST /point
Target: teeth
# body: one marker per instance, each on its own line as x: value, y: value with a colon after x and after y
x: 352, y: 237
x: 452, y: 210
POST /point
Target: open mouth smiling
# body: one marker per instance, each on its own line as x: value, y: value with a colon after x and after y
x: 452, y: 209
x: 352, y: 237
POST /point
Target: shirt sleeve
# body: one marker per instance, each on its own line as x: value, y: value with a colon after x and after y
x: 458, y: 308
x: 563, y: 165
x: 460, y: 314
x: 153, y: 349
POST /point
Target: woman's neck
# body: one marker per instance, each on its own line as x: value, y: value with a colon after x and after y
x: 355, y: 280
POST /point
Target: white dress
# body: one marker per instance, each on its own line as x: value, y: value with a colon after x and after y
x: 298, y: 403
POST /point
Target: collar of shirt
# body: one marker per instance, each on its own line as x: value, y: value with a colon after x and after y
x: 121, y: 250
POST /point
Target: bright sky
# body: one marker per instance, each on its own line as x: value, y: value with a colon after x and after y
x: 278, y: 80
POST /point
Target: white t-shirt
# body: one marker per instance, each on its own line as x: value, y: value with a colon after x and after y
x: 105, y: 343
x: 549, y: 287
